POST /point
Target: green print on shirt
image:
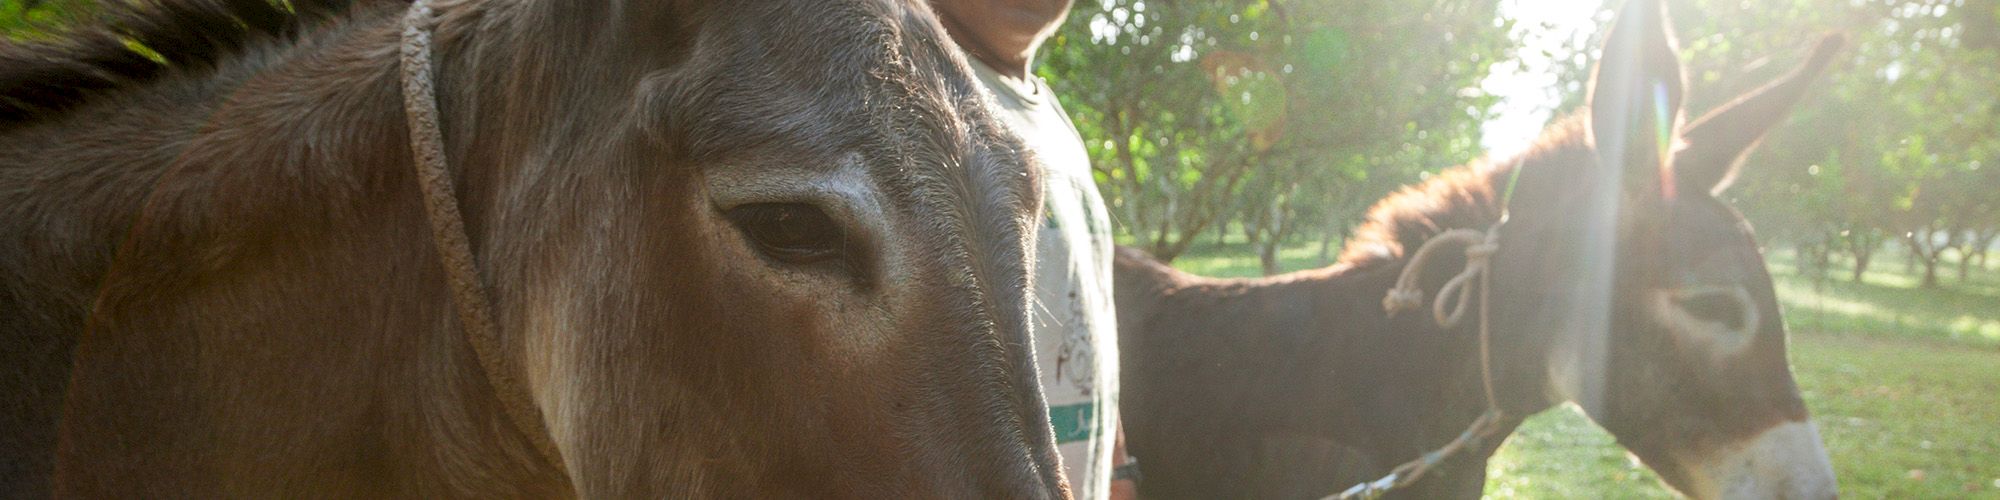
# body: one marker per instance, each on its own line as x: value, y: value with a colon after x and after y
x: 1073, y: 422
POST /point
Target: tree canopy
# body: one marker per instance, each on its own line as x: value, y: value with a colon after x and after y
x: 1285, y: 119
x: 1279, y: 118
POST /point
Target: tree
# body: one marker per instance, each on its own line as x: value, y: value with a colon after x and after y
x: 1896, y: 139
x: 34, y: 18
x: 1275, y: 115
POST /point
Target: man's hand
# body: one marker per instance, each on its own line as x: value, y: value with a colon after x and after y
x: 1126, y: 488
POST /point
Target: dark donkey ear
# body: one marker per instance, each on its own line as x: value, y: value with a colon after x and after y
x: 1717, y: 142
x: 1635, y: 96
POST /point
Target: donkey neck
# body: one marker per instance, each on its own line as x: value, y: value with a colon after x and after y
x: 1315, y: 348
x: 283, y: 170
x: 69, y: 190
x: 1399, y: 384
x: 72, y: 187
x: 1441, y: 366
x: 281, y: 117
x: 1306, y: 353
x: 75, y: 181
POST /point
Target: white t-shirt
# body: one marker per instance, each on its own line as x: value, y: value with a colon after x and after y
x: 1075, y: 327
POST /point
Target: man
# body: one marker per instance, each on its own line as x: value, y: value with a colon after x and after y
x: 1076, y: 343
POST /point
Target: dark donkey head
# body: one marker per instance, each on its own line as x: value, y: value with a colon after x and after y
x: 1620, y: 283
x: 755, y: 249
x: 826, y: 270
x: 1652, y: 295
x: 836, y: 254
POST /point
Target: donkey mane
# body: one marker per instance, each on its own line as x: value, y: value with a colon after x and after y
x: 1466, y: 197
x: 136, y: 42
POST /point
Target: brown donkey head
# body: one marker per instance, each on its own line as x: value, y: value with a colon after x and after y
x: 756, y: 249
x: 810, y: 270
x: 1652, y: 294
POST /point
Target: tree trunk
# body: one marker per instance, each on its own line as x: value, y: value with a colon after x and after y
x: 1802, y: 259
x: 1910, y: 257
x: 1862, y: 245
x: 1138, y: 208
x: 1962, y: 245
x: 1327, y: 249
x: 1928, y: 251
x: 1964, y: 265
x: 1984, y: 246
x: 1281, y: 227
x: 1195, y: 218
x: 1862, y: 256
x: 1930, y: 273
x: 1268, y: 257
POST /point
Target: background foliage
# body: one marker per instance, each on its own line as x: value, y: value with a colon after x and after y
x: 21, y: 19
x: 1284, y: 120
x: 1278, y: 119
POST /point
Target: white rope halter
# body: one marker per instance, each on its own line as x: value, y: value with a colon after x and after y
x: 1448, y: 311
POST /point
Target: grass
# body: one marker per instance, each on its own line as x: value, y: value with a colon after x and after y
x: 1233, y: 259
x: 1900, y: 419
x: 1888, y: 302
x: 1903, y: 382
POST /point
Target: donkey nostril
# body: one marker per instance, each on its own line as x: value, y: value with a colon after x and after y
x: 1727, y: 308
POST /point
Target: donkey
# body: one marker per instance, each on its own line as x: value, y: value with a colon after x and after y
x: 1619, y: 282
x: 760, y: 249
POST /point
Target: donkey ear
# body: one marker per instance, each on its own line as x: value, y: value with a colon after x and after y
x: 1717, y: 142
x: 1635, y: 95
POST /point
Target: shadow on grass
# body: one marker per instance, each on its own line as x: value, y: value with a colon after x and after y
x: 1900, y: 419
x: 1234, y: 258
x: 1888, y: 302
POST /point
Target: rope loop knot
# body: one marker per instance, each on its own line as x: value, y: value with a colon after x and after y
x: 1452, y: 299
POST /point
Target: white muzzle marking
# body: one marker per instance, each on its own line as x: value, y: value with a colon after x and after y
x: 1785, y: 462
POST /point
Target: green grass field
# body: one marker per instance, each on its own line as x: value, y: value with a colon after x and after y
x: 1903, y: 382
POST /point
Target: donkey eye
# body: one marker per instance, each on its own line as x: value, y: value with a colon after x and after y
x: 1729, y: 308
x: 791, y: 232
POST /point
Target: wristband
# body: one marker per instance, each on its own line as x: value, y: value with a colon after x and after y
x: 1126, y: 471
